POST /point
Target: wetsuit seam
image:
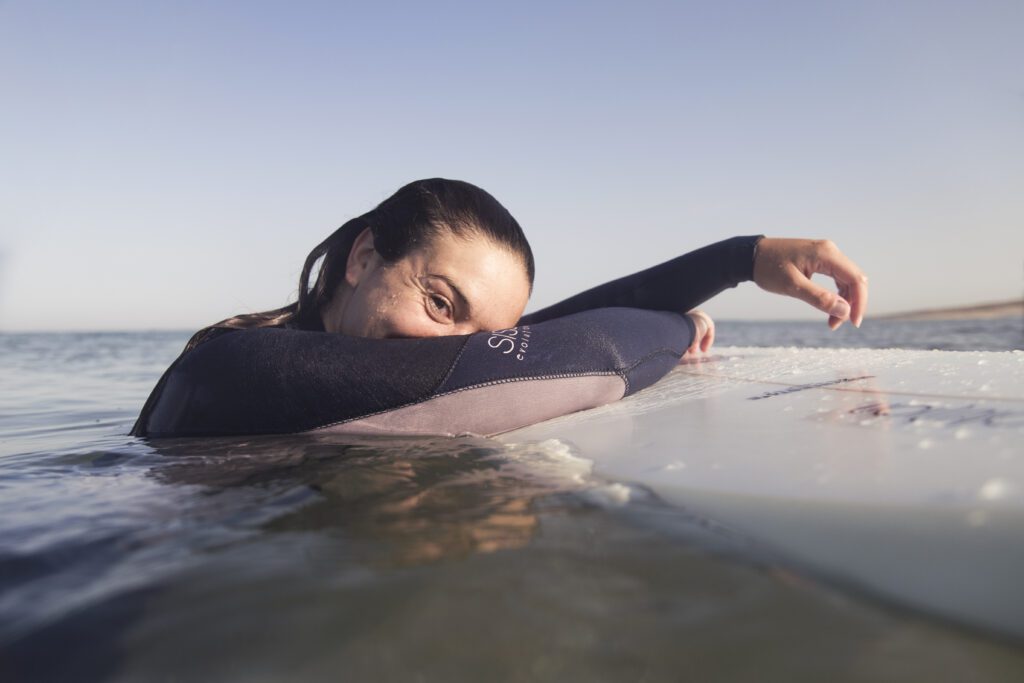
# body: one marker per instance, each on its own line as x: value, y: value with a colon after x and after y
x: 663, y: 351
x: 652, y: 354
x: 508, y: 380
x: 451, y: 368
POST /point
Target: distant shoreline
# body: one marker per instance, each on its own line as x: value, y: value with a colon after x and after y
x: 1001, y: 309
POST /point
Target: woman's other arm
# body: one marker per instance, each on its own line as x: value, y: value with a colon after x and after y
x: 778, y: 265
x: 678, y: 285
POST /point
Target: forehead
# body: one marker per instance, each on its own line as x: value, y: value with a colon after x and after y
x: 491, y: 277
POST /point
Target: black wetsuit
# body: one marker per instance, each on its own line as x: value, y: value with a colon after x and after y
x: 590, y: 349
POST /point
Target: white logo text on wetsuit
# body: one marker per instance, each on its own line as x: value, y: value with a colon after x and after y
x: 514, y: 340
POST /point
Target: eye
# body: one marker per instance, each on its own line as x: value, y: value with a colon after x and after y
x: 440, y: 306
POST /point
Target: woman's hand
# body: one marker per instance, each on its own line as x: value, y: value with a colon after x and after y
x: 785, y: 266
x: 705, y: 335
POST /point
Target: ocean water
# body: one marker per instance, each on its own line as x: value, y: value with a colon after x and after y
x: 1000, y: 334
x: 332, y: 558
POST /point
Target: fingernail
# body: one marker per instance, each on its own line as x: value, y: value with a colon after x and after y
x: 840, y: 309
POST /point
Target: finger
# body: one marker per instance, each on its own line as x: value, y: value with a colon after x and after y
x: 695, y: 345
x: 859, y: 300
x: 699, y: 330
x: 851, y: 281
x: 829, y: 302
x: 709, y: 338
x: 834, y: 322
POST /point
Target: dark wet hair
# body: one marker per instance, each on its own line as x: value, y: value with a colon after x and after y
x: 405, y: 221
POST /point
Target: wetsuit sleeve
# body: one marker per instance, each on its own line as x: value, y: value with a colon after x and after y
x: 678, y: 285
x: 274, y: 381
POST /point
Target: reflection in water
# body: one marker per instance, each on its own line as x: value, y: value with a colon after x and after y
x: 417, y: 500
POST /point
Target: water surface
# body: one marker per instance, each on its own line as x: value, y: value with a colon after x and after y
x: 327, y: 558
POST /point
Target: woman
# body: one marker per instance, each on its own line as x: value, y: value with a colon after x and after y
x: 418, y: 309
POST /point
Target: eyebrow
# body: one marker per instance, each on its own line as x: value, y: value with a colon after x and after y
x: 463, y: 301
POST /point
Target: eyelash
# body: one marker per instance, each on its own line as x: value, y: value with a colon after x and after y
x: 443, y: 306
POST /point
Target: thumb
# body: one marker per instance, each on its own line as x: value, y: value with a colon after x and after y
x: 828, y: 302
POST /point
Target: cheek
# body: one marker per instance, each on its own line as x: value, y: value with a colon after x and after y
x: 406, y: 319
x: 386, y: 314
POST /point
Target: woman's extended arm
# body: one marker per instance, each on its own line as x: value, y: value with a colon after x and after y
x: 678, y: 285
x: 778, y: 265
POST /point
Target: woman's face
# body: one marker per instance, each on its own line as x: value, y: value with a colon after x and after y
x: 451, y: 285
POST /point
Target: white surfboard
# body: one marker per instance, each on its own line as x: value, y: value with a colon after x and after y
x: 897, y: 472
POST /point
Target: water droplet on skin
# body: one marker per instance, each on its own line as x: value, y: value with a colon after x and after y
x: 925, y: 444
x: 962, y: 433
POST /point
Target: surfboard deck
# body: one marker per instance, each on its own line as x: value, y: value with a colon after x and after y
x: 898, y: 472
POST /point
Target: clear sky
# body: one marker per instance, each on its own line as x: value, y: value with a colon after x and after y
x: 168, y: 164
